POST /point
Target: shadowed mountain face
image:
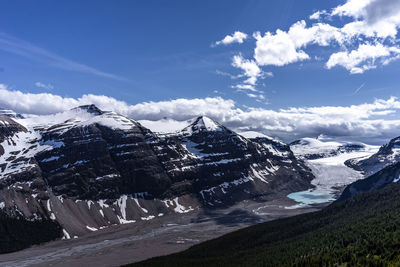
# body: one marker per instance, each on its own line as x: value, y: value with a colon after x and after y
x: 381, y: 169
x: 87, y: 169
x: 388, y: 154
x: 384, y: 177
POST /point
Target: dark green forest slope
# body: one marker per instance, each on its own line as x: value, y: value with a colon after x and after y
x: 18, y: 233
x: 361, y: 231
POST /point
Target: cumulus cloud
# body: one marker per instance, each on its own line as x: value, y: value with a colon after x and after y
x: 365, y: 57
x: 283, y: 48
x: 367, y: 39
x: 366, y: 122
x: 45, y: 86
x: 277, y: 49
x: 236, y: 37
x: 250, y: 68
x: 352, y: 8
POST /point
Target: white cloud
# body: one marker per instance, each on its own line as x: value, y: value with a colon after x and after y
x: 283, y: 48
x: 250, y: 68
x: 363, y: 58
x: 373, y: 18
x: 367, y: 122
x: 244, y: 87
x: 252, y: 72
x: 46, y: 103
x: 352, y: 8
x: 318, y: 14
x: 372, y: 26
x: 277, y: 50
x: 236, y: 37
x: 45, y: 86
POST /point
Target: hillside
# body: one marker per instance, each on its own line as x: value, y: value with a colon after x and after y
x: 361, y: 231
x: 87, y: 169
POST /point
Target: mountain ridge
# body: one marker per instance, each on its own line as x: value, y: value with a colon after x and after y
x: 110, y: 169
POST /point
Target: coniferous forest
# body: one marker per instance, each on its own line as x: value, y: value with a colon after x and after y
x: 18, y: 233
x: 361, y: 231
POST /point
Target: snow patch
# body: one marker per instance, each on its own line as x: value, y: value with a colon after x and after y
x: 66, y: 235
x: 178, y: 208
x: 91, y: 228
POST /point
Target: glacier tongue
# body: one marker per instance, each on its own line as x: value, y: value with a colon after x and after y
x: 327, y: 162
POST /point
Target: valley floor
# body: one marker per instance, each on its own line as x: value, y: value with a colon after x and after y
x: 129, y: 243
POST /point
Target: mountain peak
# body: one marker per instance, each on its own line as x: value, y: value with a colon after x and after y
x: 10, y: 113
x: 395, y: 141
x: 204, y: 124
x: 92, y: 109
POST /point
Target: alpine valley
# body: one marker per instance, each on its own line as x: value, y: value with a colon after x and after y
x: 94, y: 183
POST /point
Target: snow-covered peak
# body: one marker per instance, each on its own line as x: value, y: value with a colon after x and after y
x: 324, y: 148
x: 253, y: 134
x: 394, y: 143
x: 10, y: 113
x: 90, y: 109
x: 70, y: 116
x: 77, y: 117
x: 314, y: 145
x: 110, y: 119
x: 203, y: 124
x: 166, y: 125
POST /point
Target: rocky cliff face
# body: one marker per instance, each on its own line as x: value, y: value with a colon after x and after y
x: 387, y: 155
x: 86, y: 169
x: 382, y: 178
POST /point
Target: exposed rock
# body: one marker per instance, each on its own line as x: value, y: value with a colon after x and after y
x: 387, y: 155
x: 87, y: 169
x: 384, y: 177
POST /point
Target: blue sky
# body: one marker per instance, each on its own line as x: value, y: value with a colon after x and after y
x: 162, y: 49
x: 140, y: 51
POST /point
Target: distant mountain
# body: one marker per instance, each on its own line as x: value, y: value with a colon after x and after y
x: 312, y: 148
x: 383, y: 168
x: 388, y: 154
x: 360, y: 231
x: 86, y: 169
x: 327, y: 159
x: 384, y: 177
x: 10, y: 113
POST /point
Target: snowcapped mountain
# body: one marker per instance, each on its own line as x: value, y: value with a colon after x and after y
x: 388, y: 154
x: 86, y: 169
x: 10, y: 113
x: 312, y: 148
x: 383, y: 168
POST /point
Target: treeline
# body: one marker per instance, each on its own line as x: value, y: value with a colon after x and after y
x: 18, y: 233
x: 361, y: 231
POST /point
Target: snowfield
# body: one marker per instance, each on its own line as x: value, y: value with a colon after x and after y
x: 331, y: 174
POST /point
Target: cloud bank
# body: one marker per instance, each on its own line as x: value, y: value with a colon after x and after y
x: 367, y: 122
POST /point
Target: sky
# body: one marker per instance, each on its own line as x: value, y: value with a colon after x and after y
x: 286, y: 68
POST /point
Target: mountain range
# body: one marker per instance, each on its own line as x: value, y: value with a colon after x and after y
x: 358, y: 229
x: 68, y: 174
x: 86, y: 169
